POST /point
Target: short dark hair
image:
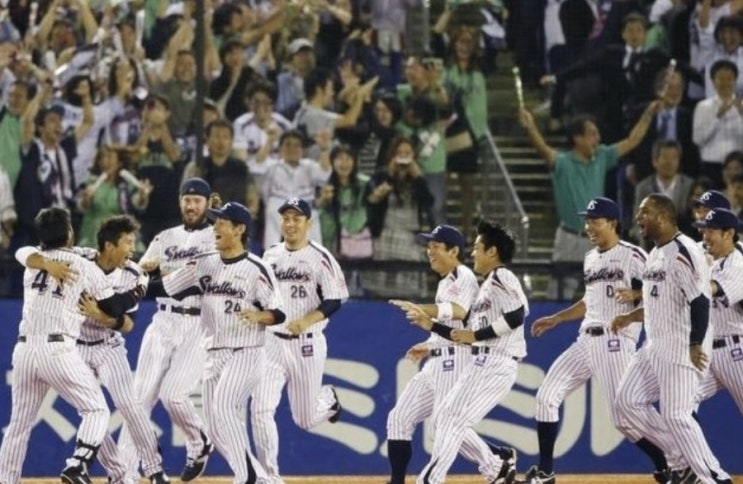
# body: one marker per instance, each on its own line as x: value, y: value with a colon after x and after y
x: 53, y: 227
x: 495, y: 235
x: 219, y: 123
x: 634, y: 17
x: 723, y: 64
x: 661, y: 144
x: 660, y: 78
x: 292, y: 133
x: 665, y: 206
x: 577, y: 126
x: 266, y: 87
x: 733, y: 156
x: 229, y: 46
x: 30, y: 88
x: 317, y: 79
x: 737, y: 178
x: 113, y: 228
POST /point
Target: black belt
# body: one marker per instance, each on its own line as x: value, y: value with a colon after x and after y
x: 721, y: 343
x: 91, y: 343
x: 181, y: 310
x: 52, y: 338
x: 594, y: 330
x: 448, y: 350
x: 484, y: 350
x: 293, y: 336
x: 573, y: 231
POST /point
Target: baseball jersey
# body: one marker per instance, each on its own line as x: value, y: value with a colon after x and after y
x: 500, y: 293
x: 306, y: 278
x: 251, y: 138
x: 726, y: 312
x: 50, y: 308
x: 228, y: 286
x: 604, y: 273
x: 458, y: 287
x: 675, y: 274
x: 173, y: 248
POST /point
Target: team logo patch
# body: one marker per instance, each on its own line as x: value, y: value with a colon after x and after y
x: 480, y: 360
x: 447, y: 365
x: 736, y: 354
x: 613, y: 345
x: 307, y: 351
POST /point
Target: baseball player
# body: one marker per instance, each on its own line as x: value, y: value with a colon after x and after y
x: 313, y: 287
x: 422, y: 396
x: 612, y: 273
x: 669, y: 366
x: 240, y: 298
x: 171, y: 358
x: 104, y: 352
x: 496, y: 319
x: 720, y: 228
x: 46, y: 355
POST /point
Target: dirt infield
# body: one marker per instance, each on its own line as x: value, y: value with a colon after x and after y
x: 563, y: 479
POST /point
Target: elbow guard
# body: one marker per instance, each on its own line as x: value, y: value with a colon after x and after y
x: 515, y: 318
x: 329, y: 306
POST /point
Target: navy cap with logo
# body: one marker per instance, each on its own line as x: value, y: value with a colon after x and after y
x: 719, y: 218
x: 297, y: 204
x: 601, y: 207
x: 196, y: 186
x: 232, y: 211
x: 713, y: 199
x: 445, y: 234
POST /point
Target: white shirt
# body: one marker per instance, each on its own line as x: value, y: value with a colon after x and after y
x: 716, y: 137
x: 7, y: 203
x: 251, y: 138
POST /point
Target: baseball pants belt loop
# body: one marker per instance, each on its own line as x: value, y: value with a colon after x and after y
x: 448, y: 350
x: 91, y: 343
x: 51, y: 338
x: 186, y: 311
x: 594, y: 330
x: 572, y: 231
x: 722, y: 342
x: 293, y: 336
x: 484, y: 350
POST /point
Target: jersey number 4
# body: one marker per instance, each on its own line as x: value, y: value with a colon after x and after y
x: 40, y: 284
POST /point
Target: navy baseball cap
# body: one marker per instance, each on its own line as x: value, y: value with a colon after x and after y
x: 443, y: 233
x: 196, y: 186
x: 719, y: 218
x: 713, y: 199
x: 601, y: 207
x: 232, y: 211
x: 297, y: 204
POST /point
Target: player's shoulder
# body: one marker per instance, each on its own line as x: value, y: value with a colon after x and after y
x: 86, y: 252
x: 504, y: 278
x: 633, y: 250
x: 243, y: 121
x: 274, y: 250
x: 321, y: 251
x: 463, y: 275
x: 132, y: 268
x: 685, y: 250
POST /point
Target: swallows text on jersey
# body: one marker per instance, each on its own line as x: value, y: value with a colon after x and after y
x: 654, y: 275
x: 224, y: 288
x: 291, y: 274
x: 603, y: 275
x: 175, y: 253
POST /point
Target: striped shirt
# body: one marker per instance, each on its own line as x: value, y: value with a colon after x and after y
x: 458, y: 287
x: 251, y: 138
x: 50, y: 308
x: 605, y: 272
x: 726, y: 313
x: 675, y: 274
x: 306, y: 277
x: 500, y: 293
x: 228, y: 286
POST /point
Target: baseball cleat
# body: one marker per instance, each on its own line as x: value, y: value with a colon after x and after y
x: 195, y: 465
x: 159, y: 478
x: 685, y: 476
x: 75, y: 475
x: 337, y: 408
x: 662, y: 477
x: 507, y: 473
x: 535, y: 476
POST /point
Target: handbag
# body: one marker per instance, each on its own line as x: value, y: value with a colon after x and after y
x: 356, y: 246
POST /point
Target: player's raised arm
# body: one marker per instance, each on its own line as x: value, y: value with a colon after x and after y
x: 537, y: 140
x: 544, y: 324
x: 32, y: 258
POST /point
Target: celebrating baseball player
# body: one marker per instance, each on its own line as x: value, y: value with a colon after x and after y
x: 669, y: 366
x: 313, y: 287
x: 423, y: 395
x: 612, y: 272
x: 240, y: 298
x: 103, y: 349
x: 720, y: 228
x: 172, y: 356
x: 496, y: 320
x: 46, y: 355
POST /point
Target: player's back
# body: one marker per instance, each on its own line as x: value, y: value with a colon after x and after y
x: 605, y: 272
x: 49, y: 307
x: 726, y: 313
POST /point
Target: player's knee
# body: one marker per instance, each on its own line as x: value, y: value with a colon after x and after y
x: 675, y: 419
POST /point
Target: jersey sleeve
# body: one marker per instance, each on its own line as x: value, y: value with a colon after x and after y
x: 153, y: 251
x: 731, y: 283
x: 267, y: 292
x: 687, y: 276
x: 637, y: 267
x: 187, y: 277
x: 506, y: 294
x: 464, y: 291
x: 331, y: 279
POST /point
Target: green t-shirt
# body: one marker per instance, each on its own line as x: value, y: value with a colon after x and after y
x: 10, y: 146
x: 472, y: 89
x: 352, y: 216
x: 575, y: 183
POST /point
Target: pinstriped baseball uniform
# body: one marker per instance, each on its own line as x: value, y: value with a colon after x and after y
x: 46, y: 357
x: 675, y: 274
x: 597, y: 353
x: 427, y: 389
x: 726, y: 319
x: 489, y: 376
x: 172, y: 356
x: 235, y: 361
x: 306, y: 278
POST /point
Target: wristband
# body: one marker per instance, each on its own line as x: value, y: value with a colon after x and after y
x: 445, y: 311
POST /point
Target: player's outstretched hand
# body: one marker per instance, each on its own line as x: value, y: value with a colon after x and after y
x: 417, y: 353
x: 89, y: 307
x: 542, y: 325
x: 61, y: 271
x: 149, y: 265
x: 698, y: 358
x: 621, y: 321
x: 419, y: 318
x: 463, y: 336
x: 627, y: 295
x: 404, y: 305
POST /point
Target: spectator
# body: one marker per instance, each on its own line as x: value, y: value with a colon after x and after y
x: 725, y: 44
x: 388, y: 19
x: 8, y: 215
x: 300, y: 62
x: 718, y: 122
x: 292, y: 176
x: 125, y: 125
x: 180, y: 93
x: 335, y: 17
x: 577, y: 177
x: 689, y: 215
x: 424, y: 79
x: 18, y: 100
x: 731, y: 167
x: 229, y: 88
x: 735, y: 195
